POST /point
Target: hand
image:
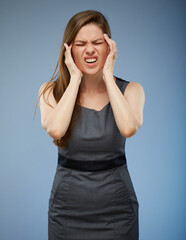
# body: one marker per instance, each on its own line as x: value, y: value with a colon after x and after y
x: 72, y: 68
x: 108, y: 69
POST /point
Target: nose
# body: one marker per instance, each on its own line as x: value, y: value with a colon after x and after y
x: 90, y: 49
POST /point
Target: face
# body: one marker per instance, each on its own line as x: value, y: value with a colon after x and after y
x: 90, y: 49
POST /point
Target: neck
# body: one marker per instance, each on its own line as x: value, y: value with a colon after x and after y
x: 92, y: 83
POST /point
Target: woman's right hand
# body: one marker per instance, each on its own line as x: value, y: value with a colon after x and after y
x: 73, y: 69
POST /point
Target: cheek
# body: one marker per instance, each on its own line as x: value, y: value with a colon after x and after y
x: 104, y: 53
x: 105, y: 49
x: 77, y: 57
x: 74, y: 54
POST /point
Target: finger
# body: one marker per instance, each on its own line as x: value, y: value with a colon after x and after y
x: 66, y: 46
x: 70, y: 46
x: 67, y: 53
x: 108, y: 40
x: 114, y: 48
x: 68, y: 49
x: 106, y: 37
x: 115, y: 53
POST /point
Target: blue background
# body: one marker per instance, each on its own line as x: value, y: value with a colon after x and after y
x: 150, y: 37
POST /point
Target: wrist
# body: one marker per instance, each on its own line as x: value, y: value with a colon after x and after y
x: 108, y: 77
x: 76, y: 79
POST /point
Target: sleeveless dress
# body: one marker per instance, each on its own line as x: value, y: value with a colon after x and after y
x: 94, y: 205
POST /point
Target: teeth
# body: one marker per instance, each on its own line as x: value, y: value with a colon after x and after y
x: 91, y: 60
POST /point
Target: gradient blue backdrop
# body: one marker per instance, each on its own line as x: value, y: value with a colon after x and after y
x: 150, y: 37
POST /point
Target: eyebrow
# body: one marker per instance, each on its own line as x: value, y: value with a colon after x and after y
x: 92, y: 41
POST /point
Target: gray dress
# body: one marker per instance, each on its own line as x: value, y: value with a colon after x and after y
x: 89, y: 205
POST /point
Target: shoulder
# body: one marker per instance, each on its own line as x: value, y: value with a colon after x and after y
x: 47, y: 86
x: 45, y: 92
x: 122, y: 84
x: 134, y: 87
x: 121, y: 81
x: 131, y: 88
x: 135, y: 93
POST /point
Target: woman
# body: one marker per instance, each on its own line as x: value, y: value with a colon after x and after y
x: 89, y: 113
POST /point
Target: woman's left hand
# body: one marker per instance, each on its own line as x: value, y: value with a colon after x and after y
x: 108, y: 69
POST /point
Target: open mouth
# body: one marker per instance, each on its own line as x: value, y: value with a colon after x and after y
x: 90, y: 60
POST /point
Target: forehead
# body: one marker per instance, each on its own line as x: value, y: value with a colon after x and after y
x: 89, y: 31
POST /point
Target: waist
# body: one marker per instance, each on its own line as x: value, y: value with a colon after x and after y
x: 97, y: 165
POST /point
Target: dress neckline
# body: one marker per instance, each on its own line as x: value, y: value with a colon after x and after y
x: 94, y: 110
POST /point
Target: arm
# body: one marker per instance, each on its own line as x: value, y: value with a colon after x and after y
x: 56, y: 120
x: 127, y: 108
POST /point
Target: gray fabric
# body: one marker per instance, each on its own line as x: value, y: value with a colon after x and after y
x: 96, y: 136
x: 93, y: 205
x: 87, y: 205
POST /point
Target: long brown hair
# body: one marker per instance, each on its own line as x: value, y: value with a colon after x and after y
x: 62, y: 76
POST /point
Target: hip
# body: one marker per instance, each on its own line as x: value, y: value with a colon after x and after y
x: 83, y: 192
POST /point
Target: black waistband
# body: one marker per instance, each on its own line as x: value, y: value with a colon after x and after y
x: 97, y: 165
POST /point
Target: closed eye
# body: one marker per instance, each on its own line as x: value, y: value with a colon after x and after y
x: 79, y: 44
x: 97, y: 43
x: 83, y: 44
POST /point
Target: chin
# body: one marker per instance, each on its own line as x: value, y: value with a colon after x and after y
x: 92, y: 72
